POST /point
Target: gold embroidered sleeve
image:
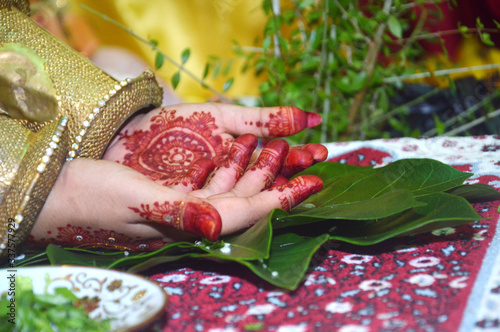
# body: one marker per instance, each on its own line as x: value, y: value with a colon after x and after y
x: 86, y: 102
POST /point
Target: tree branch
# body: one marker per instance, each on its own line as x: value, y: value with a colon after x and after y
x: 370, y: 62
x: 155, y: 48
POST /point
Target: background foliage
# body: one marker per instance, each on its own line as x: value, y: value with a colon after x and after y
x: 348, y: 62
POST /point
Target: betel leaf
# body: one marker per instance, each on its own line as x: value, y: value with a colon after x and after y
x: 475, y: 193
x: 377, y: 207
x: 330, y: 172
x: 252, y: 244
x: 152, y: 262
x: 61, y: 256
x: 373, y: 193
x: 441, y: 210
x: 289, y: 259
x: 421, y: 176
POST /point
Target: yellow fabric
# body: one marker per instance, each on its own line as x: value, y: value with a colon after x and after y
x: 471, y: 53
x: 206, y: 27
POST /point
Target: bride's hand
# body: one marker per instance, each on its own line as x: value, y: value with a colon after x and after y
x: 180, y: 145
x: 105, y: 204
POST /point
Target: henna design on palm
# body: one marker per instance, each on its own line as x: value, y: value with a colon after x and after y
x: 172, y: 144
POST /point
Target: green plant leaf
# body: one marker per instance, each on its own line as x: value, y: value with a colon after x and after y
x: 486, y: 39
x: 382, y: 206
x: 475, y: 193
x: 372, y: 193
x: 330, y: 172
x: 175, y: 80
x: 395, y: 26
x: 227, y: 84
x: 497, y: 24
x: 252, y: 244
x: 185, y: 55
x: 352, y: 82
x: 289, y: 259
x: 441, y: 210
x: 206, y: 71
x: 72, y: 256
x: 159, y: 60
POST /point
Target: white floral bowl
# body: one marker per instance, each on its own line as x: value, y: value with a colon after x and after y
x: 129, y: 300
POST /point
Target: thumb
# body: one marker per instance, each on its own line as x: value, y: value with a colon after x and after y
x: 197, y: 217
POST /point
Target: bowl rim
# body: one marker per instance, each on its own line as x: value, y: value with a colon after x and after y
x: 143, y: 324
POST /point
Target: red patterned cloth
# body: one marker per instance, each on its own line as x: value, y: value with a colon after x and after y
x: 447, y: 280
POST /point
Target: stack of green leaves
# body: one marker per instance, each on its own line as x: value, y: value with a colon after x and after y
x: 46, y: 312
x: 358, y: 205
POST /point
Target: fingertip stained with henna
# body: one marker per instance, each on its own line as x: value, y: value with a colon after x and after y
x: 296, y: 161
x: 313, y: 119
x: 198, y: 218
x: 290, y: 120
x: 318, y: 151
x: 202, y: 219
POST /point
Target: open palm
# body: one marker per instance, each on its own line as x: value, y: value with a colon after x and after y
x: 180, y: 145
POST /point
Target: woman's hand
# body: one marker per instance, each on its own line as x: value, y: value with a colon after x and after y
x: 180, y: 145
x: 103, y: 203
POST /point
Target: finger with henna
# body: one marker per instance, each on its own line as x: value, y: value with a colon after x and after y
x: 262, y: 173
x: 225, y: 177
x: 301, y: 157
x: 258, y: 206
x: 267, y: 121
x: 195, y: 176
x: 195, y: 217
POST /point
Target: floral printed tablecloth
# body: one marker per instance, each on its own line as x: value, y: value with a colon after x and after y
x: 447, y: 280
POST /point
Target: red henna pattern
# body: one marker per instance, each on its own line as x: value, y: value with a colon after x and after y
x: 288, y: 121
x: 172, y: 144
x: 166, y: 213
x: 73, y: 236
x: 291, y: 120
x: 239, y: 155
x: 241, y: 152
x: 296, y: 161
x: 106, y: 235
x: 271, y: 159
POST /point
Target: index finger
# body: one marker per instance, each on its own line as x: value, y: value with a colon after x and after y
x: 277, y: 121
